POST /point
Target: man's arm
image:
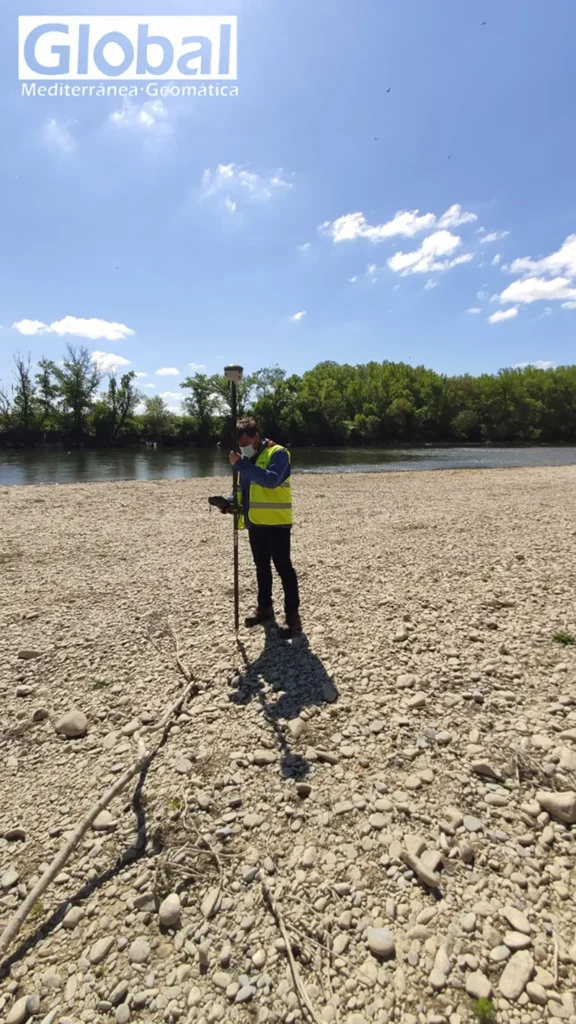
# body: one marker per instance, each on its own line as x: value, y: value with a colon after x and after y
x: 274, y: 476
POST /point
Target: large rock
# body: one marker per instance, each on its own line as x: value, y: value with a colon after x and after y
x: 72, y: 725
x: 516, y: 975
x: 559, y: 805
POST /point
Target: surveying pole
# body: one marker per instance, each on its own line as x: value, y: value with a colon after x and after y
x: 233, y: 374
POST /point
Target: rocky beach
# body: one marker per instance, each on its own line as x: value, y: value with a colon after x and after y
x: 374, y: 822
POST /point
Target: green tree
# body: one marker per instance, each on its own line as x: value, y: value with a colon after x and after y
x: 200, y: 406
x: 24, y: 404
x: 121, y: 400
x: 157, y: 417
x: 47, y: 393
x: 78, y: 381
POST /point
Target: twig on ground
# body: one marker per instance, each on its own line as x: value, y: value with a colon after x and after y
x: 54, y: 869
x: 303, y: 998
x: 144, y: 758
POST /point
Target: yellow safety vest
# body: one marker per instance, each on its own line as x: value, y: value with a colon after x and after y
x: 269, y: 506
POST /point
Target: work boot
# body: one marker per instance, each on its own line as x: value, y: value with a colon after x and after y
x: 260, y: 615
x: 293, y: 622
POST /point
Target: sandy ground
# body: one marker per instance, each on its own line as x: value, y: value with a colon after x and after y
x: 430, y: 602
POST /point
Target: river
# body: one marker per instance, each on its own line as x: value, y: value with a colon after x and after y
x: 76, y: 466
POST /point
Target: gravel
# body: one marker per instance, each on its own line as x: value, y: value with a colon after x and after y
x: 400, y: 779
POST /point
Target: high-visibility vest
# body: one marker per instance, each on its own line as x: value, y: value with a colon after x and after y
x: 268, y: 506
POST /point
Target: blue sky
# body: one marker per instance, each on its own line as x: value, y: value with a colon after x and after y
x: 204, y: 226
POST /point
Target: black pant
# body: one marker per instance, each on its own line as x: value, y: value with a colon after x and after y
x: 272, y: 543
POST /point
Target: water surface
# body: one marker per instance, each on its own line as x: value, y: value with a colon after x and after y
x: 77, y: 466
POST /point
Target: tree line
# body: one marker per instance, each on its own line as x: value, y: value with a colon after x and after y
x: 73, y: 402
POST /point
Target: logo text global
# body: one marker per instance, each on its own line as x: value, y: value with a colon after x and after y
x: 171, y: 47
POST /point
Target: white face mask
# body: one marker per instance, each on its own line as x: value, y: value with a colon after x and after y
x: 248, y: 451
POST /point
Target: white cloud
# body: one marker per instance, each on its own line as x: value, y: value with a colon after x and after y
x: 305, y: 247
x: 424, y: 260
x: 299, y: 316
x: 496, y: 259
x: 57, y: 137
x: 167, y: 371
x: 149, y: 385
x: 353, y: 280
x: 569, y: 305
x: 474, y: 310
x: 93, y: 328
x: 151, y: 118
x: 494, y: 236
x: 171, y: 394
x: 562, y: 262
x: 197, y: 366
x: 355, y: 225
x: 428, y: 286
x: 539, y: 364
x: 455, y: 217
x: 140, y: 374
x: 533, y: 289
x: 406, y: 223
x: 30, y: 327
x: 231, y: 184
x: 107, y: 362
x: 503, y: 314
x: 482, y: 295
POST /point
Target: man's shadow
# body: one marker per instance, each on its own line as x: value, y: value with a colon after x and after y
x: 297, y: 680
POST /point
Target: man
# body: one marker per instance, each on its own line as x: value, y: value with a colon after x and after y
x: 265, y: 500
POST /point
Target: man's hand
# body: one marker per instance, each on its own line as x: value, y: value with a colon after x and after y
x: 233, y: 458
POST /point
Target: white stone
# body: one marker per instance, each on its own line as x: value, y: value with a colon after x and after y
x: 516, y: 975
x: 72, y: 725
x: 381, y: 942
x: 170, y: 910
x: 478, y: 986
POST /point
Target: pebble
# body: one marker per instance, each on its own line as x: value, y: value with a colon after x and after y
x: 122, y: 1013
x: 559, y: 805
x: 26, y: 1006
x: 72, y: 725
x: 9, y: 878
x: 169, y: 911
x: 516, y: 975
x: 73, y: 918
x: 264, y: 757
x: 139, y: 951
x: 210, y: 903
x: 478, y: 986
x: 381, y: 942
x: 245, y: 994
x: 105, y: 822
x: 472, y: 824
x: 517, y: 920
x: 517, y: 940
x: 309, y: 857
x: 99, y: 951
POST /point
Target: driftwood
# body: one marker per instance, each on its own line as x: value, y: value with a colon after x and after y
x: 144, y: 758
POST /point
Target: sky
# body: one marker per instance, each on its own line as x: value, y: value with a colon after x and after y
x: 394, y: 180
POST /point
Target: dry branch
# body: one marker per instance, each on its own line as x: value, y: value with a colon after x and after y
x: 144, y: 758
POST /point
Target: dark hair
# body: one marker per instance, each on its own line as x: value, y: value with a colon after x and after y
x: 247, y: 426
